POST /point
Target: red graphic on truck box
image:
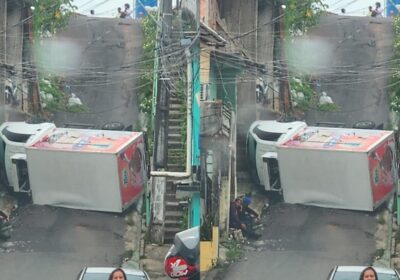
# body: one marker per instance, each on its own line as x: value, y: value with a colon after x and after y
x: 382, y: 170
x: 131, y: 169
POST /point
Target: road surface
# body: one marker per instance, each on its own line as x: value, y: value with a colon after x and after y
x: 55, y: 243
x: 105, y: 76
x: 304, y: 243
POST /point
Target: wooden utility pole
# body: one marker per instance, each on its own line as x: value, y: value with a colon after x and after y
x: 284, y: 88
x: 3, y: 50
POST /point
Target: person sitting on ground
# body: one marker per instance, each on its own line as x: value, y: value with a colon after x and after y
x: 236, y: 222
x: 248, y: 214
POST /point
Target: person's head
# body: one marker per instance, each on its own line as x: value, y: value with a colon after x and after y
x: 370, y: 8
x: 247, y: 200
x: 119, y: 9
x: 378, y: 4
x: 117, y: 274
x: 127, y: 6
x: 238, y: 202
x: 368, y: 273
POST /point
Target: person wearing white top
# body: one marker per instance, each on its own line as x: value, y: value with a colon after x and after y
x: 378, y: 9
x: 127, y: 11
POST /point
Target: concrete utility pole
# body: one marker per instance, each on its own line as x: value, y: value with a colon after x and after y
x: 284, y: 88
x: 3, y: 50
x: 34, y: 97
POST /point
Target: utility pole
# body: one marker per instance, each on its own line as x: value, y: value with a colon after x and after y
x: 34, y: 97
x: 3, y: 51
x: 284, y: 88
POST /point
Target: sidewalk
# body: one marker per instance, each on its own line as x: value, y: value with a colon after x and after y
x: 153, y: 261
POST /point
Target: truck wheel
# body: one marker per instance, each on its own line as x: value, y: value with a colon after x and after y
x: 364, y: 125
x: 113, y: 126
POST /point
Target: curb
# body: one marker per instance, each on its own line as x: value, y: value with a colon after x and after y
x: 386, y: 259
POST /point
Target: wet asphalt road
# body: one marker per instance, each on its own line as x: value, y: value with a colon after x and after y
x: 357, y: 52
x: 55, y: 243
x: 104, y: 69
x: 304, y: 243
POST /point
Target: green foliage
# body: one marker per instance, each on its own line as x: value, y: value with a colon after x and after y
x: 311, y: 100
x: 54, y: 99
x: 207, y: 224
x: 145, y: 96
x: 185, y: 219
x: 77, y: 108
x: 300, y: 15
x: 395, y: 80
x: 51, y: 15
x: 328, y: 107
x: 235, y: 250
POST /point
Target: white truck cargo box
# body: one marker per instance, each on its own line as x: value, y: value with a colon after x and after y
x: 338, y: 167
x: 87, y: 169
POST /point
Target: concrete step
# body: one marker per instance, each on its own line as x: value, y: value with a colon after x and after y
x: 173, y: 206
x: 176, y: 113
x: 174, y: 135
x: 173, y: 167
x: 176, y: 100
x: 175, y: 106
x: 177, y: 153
x: 175, y: 144
x: 170, y: 196
x: 175, y: 130
x: 174, y: 122
x: 169, y: 233
x: 173, y: 214
x: 173, y: 224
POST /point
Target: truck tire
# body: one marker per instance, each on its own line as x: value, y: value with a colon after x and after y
x: 113, y: 126
x: 364, y: 124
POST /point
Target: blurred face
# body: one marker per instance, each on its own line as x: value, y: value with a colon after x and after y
x: 118, y: 276
x: 369, y: 275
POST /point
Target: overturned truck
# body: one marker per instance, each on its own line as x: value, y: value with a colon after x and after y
x: 75, y: 168
x: 329, y: 167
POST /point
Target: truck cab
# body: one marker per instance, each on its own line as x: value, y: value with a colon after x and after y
x: 14, y: 137
x: 262, y: 139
